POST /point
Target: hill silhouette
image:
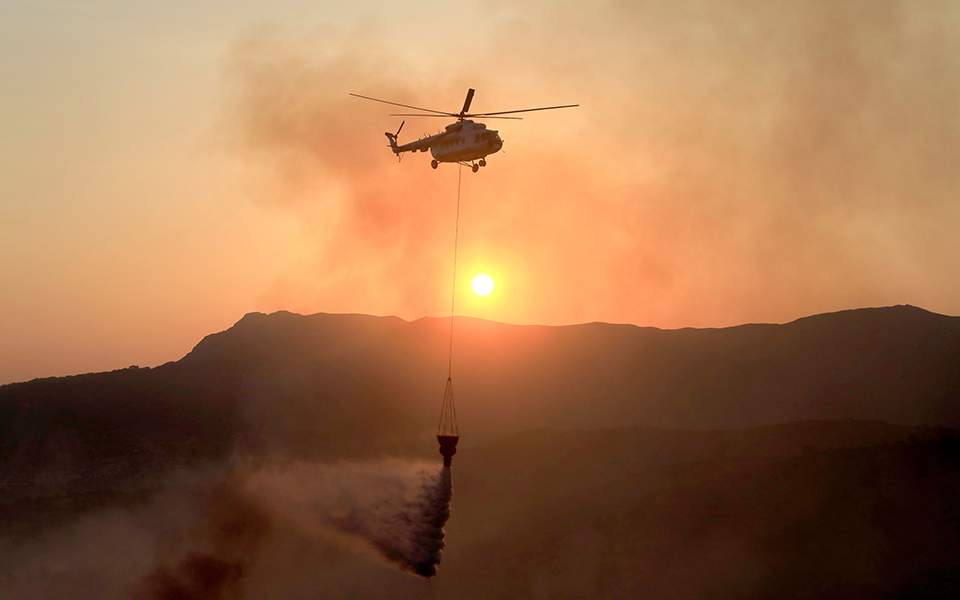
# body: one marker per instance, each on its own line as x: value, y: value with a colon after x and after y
x: 896, y: 364
x: 817, y: 458
x: 353, y: 385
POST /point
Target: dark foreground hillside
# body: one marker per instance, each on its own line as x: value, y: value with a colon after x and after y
x: 803, y: 510
x: 860, y: 522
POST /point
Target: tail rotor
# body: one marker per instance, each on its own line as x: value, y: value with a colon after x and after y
x: 392, y: 137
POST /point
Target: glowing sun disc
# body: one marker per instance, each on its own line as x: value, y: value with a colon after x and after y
x: 482, y: 284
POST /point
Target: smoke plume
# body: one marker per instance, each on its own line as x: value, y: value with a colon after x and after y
x: 776, y: 161
x: 252, y: 531
x: 392, y: 509
x: 232, y: 529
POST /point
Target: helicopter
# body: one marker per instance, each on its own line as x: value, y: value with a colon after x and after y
x: 464, y: 142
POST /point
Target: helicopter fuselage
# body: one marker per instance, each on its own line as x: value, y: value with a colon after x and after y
x: 462, y: 141
x: 466, y: 141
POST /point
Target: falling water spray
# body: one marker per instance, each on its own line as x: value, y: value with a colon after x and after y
x: 393, y: 509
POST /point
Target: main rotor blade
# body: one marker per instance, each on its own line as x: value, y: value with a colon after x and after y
x: 507, y: 112
x: 439, y: 112
x: 467, y: 101
x: 448, y: 115
x: 444, y: 115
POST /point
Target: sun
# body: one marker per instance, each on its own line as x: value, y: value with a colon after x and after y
x: 482, y: 284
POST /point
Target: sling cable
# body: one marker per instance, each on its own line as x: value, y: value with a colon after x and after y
x: 447, y: 432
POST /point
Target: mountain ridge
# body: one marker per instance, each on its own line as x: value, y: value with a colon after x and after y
x: 366, y: 384
x: 257, y: 317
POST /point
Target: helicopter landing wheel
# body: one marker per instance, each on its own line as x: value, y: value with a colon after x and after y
x: 483, y: 162
x: 433, y: 164
x: 475, y: 167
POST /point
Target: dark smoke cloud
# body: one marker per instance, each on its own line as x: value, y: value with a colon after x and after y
x: 231, y: 530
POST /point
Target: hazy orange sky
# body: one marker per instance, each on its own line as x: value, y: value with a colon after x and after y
x: 168, y: 168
